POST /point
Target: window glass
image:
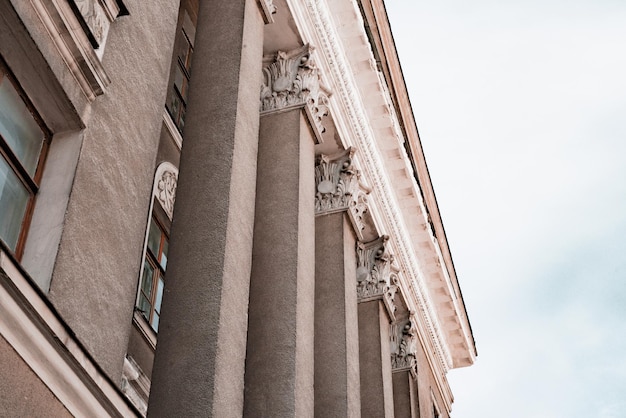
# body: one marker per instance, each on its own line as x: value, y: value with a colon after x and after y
x: 153, y: 275
x: 148, y: 273
x: 181, y: 64
x: 163, y: 258
x: 13, y: 202
x: 19, y: 128
x: 157, y: 305
x: 154, y: 238
x: 180, y: 82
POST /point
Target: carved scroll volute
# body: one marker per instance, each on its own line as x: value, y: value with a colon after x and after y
x: 292, y: 79
x: 166, y: 191
x: 376, y: 274
x: 339, y: 188
x: 404, y: 345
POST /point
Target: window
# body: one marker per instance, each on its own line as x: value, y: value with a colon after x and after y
x: 153, y: 275
x: 156, y: 247
x: 23, y: 143
x: 181, y: 66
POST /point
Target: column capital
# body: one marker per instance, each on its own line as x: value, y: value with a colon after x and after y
x: 291, y: 80
x: 404, y: 345
x: 339, y: 188
x: 377, y: 277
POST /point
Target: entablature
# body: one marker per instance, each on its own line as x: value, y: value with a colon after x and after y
x: 365, y: 118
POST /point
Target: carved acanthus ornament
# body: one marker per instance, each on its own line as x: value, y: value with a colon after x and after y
x: 377, y: 277
x: 291, y: 79
x: 166, y: 191
x: 339, y: 188
x: 404, y: 345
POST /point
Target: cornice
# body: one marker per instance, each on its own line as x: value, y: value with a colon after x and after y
x: 316, y: 26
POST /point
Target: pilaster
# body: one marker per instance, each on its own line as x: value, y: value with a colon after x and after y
x: 404, y: 342
x: 377, y: 285
x: 340, y: 204
x: 279, y: 377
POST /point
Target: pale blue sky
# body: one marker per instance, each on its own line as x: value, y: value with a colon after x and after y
x: 521, y: 108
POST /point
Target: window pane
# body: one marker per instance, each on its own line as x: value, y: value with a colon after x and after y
x: 18, y: 127
x: 185, y: 54
x: 154, y: 238
x: 144, y: 306
x: 163, y: 260
x: 146, y: 280
x: 155, y: 322
x: 180, y: 82
x: 13, y: 201
x: 159, y: 296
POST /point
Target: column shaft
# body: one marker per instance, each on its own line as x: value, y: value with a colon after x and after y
x: 336, y: 319
x: 200, y: 357
x: 405, y: 402
x: 375, y: 361
x: 279, y: 362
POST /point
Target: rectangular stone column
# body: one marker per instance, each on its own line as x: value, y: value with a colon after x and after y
x: 375, y: 360
x: 279, y: 362
x: 336, y: 318
x: 200, y: 356
x: 404, y: 343
x: 405, y: 402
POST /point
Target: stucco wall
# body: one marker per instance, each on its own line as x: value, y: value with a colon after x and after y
x: 95, y: 277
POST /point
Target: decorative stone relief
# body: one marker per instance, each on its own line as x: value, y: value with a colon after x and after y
x: 377, y: 277
x: 339, y: 188
x: 95, y: 17
x: 292, y: 79
x: 166, y: 191
x: 404, y: 345
x: 268, y: 8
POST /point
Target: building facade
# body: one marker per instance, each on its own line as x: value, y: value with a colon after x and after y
x: 217, y: 209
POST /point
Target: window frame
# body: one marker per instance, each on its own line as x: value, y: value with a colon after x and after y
x: 158, y: 272
x: 184, y: 42
x: 161, y: 209
x: 30, y: 183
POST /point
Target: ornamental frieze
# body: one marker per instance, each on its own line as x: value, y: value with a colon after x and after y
x: 292, y: 79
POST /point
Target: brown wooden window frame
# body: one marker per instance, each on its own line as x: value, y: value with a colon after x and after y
x: 30, y: 182
x: 155, y: 261
x: 177, y: 95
